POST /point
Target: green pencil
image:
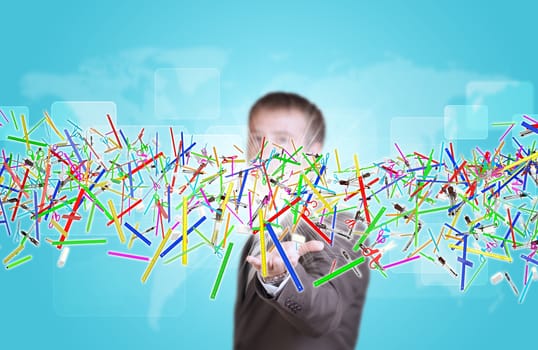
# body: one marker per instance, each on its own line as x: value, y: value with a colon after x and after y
x: 19, y: 262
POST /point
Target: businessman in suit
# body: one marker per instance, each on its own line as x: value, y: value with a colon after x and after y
x: 269, y: 312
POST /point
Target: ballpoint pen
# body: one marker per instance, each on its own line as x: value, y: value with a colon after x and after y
x: 512, y: 285
x: 443, y: 263
x: 348, y: 259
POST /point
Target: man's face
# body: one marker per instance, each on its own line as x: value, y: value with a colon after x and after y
x: 279, y: 126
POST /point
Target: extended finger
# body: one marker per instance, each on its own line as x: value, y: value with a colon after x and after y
x: 255, y: 262
x: 277, y: 264
x: 310, y: 246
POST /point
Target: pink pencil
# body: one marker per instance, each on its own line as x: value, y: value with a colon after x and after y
x: 401, y: 262
x: 128, y: 256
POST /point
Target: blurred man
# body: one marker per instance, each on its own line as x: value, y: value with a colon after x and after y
x: 270, y: 313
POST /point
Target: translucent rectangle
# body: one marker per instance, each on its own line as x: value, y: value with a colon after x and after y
x: 502, y: 98
x: 94, y: 284
x: 78, y: 117
x: 435, y: 274
x: 187, y: 93
x: 466, y: 122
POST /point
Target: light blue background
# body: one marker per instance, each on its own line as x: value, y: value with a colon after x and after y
x: 366, y: 64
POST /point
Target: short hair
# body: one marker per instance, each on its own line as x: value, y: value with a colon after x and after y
x: 315, y: 130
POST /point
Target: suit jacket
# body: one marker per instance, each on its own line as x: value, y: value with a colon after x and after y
x: 324, y: 317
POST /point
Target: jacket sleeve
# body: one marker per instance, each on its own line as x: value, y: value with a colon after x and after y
x: 318, y: 310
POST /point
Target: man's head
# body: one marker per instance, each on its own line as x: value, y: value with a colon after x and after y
x: 281, y: 117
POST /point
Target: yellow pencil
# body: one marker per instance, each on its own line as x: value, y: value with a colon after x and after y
x: 254, y: 187
x: 479, y: 252
x: 13, y: 254
x: 337, y: 160
x: 357, y: 167
x: 51, y: 124
x: 23, y: 122
x: 119, y: 229
x: 316, y: 192
x: 522, y: 160
x: 262, y: 243
x: 59, y: 228
x: 226, y: 230
x: 184, y: 224
x: 155, y: 256
x: 227, y: 198
x: 214, y: 237
x: 216, y: 157
x: 332, y: 204
x: 133, y: 237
